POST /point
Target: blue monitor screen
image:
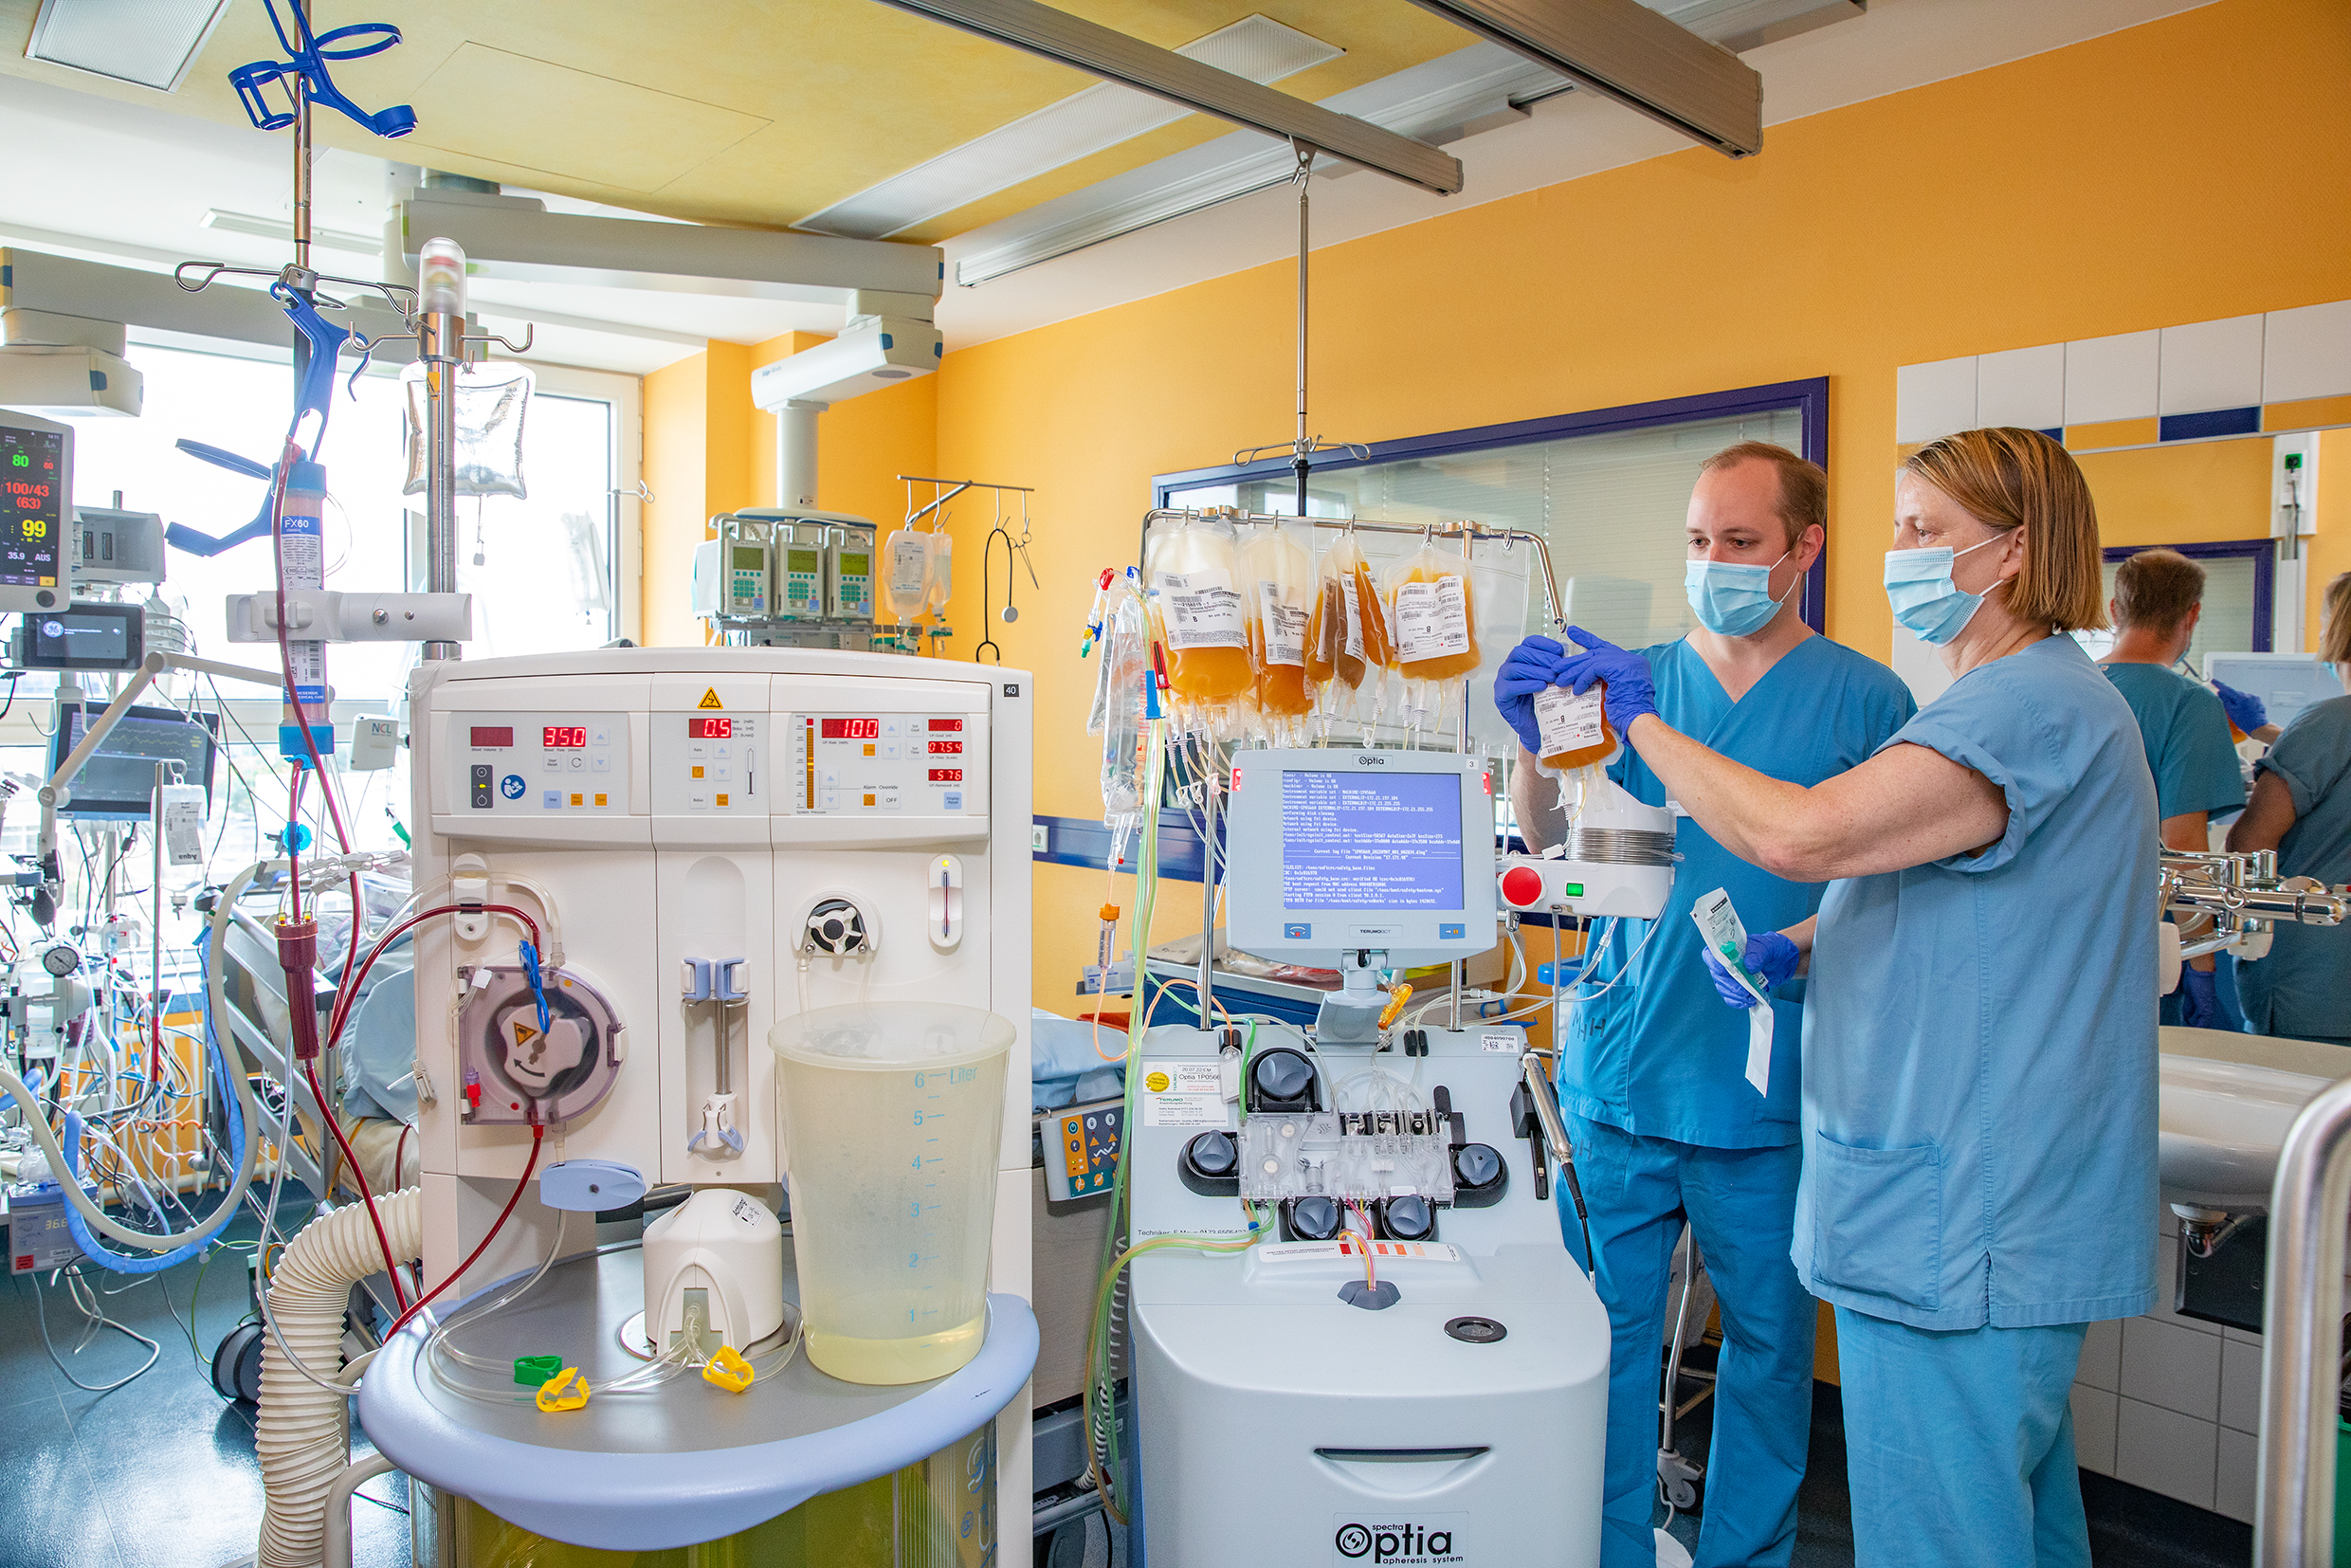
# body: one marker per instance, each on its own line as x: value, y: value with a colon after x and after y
x: 1386, y: 841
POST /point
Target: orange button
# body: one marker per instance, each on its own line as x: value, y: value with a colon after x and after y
x: 869, y: 753
x: 698, y: 772
x: 869, y: 800
x: 723, y: 800
x: 576, y: 800
x: 599, y: 800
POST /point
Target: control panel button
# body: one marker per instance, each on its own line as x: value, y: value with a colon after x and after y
x: 600, y: 764
x: 480, y: 779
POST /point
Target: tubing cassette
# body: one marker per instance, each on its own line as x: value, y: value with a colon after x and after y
x: 518, y: 1068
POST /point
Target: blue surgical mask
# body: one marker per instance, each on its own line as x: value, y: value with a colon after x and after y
x: 1918, y: 586
x: 1732, y: 597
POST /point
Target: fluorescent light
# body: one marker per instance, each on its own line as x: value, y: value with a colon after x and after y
x: 1115, y: 56
x: 1744, y: 24
x: 150, y: 43
x: 1256, y: 48
x: 1626, y: 52
x: 280, y: 229
x: 1431, y: 99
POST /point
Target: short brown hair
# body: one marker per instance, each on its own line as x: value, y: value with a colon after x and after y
x: 1803, y: 486
x: 2155, y: 589
x: 2334, y: 634
x: 2007, y: 477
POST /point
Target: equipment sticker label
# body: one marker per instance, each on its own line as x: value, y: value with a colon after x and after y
x: 1357, y: 1539
x: 710, y: 699
x: 1182, y: 1094
x: 1510, y: 1042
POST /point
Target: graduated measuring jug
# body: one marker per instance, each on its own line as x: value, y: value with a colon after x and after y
x: 893, y: 1116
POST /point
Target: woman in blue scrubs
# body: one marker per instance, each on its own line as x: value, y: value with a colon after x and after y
x: 1979, y: 1073
x: 2302, y: 809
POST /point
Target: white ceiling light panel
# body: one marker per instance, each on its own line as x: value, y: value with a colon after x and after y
x: 1256, y: 48
x: 150, y: 43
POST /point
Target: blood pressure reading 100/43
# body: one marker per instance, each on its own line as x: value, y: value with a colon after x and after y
x: 1383, y: 842
x: 31, y: 504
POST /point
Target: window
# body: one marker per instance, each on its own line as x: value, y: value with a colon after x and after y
x: 2239, y: 579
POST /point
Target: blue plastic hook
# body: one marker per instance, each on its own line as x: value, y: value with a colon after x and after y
x: 309, y: 52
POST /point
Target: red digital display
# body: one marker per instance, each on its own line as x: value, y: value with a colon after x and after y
x: 560, y: 737
x: 946, y: 748
x: 946, y: 775
x: 698, y: 728
x: 852, y: 729
x: 487, y: 736
x: 946, y: 726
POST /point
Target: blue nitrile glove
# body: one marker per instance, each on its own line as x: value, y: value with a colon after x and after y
x: 1770, y: 957
x: 1531, y: 667
x: 2246, y: 711
x: 1631, y: 692
x: 2199, y: 999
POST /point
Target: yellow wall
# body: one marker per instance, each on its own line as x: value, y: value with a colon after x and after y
x: 2157, y: 176
x: 2183, y: 494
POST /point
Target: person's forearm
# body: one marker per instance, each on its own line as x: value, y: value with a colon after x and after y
x: 1536, y: 800
x: 1801, y: 934
x: 1748, y: 812
x: 2266, y: 734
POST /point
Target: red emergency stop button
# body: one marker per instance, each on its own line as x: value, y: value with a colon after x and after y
x: 1522, y: 885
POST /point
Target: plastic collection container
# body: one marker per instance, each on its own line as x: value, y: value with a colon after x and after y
x: 893, y: 1117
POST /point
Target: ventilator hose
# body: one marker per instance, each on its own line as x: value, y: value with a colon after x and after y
x: 302, y: 1436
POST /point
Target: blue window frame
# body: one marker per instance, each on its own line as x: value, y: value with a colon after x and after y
x: 2262, y: 553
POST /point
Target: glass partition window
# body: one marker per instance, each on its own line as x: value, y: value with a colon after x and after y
x: 2233, y: 612
x: 540, y: 569
x: 1609, y: 506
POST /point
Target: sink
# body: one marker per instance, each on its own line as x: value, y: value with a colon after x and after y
x: 2227, y: 1102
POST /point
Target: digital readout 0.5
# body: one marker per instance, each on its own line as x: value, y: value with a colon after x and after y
x: 702, y: 727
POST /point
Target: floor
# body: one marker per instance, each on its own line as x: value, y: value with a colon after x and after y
x: 159, y: 1473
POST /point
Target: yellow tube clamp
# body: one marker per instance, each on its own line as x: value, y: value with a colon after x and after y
x: 566, y: 1390
x: 728, y: 1370
x: 1396, y: 999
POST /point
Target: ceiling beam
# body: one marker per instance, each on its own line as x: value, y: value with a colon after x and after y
x: 1624, y: 50
x: 1163, y: 73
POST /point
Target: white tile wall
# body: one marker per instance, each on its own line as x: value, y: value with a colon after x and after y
x: 1934, y: 399
x: 2177, y: 1368
x: 2240, y: 1384
x: 2306, y: 353
x: 2022, y: 386
x: 2236, y: 1488
x: 2101, y: 1357
x: 2210, y: 365
x: 2112, y: 377
x: 2165, y: 1451
x: 2094, y: 1429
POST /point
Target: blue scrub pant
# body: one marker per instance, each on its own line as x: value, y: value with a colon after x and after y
x: 1959, y: 1445
x: 1741, y: 1204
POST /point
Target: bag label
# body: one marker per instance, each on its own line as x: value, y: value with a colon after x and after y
x: 1566, y: 722
x: 1202, y: 610
x: 1432, y: 620
x: 910, y: 563
x: 1286, y: 628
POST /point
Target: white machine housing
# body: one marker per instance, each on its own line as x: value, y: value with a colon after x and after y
x: 676, y: 804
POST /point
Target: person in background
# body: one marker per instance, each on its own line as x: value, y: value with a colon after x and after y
x: 2301, y: 807
x: 1979, y: 1030
x: 1652, y: 1078
x: 2158, y: 597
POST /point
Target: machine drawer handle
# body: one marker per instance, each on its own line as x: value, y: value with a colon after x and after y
x: 1402, y: 1456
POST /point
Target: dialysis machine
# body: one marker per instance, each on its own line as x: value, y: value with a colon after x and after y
x: 1413, y: 1370
x: 709, y: 839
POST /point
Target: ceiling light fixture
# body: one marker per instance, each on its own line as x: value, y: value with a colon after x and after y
x: 1625, y: 50
x: 150, y: 43
x: 1256, y: 48
x: 279, y: 229
x: 1163, y: 73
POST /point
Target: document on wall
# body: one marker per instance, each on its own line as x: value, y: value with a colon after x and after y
x: 1721, y: 929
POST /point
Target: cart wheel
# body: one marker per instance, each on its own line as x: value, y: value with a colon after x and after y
x: 237, y: 1364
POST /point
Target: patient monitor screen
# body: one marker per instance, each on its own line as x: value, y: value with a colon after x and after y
x: 1378, y: 841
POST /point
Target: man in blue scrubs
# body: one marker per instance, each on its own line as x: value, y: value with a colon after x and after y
x: 1669, y: 1130
x: 2158, y: 596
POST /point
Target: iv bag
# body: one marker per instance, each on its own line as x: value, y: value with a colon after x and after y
x: 1120, y: 703
x: 1279, y: 589
x: 1194, y: 580
x: 490, y: 406
x: 906, y: 574
x: 1435, y: 631
x: 941, y: 545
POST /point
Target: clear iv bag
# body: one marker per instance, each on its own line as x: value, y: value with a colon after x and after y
x: 905, y: 574
x: 1194, y: 580
x: 491, y: 404
x: 1119, y: 709
x: 1434, y: 625
x: 942, y: 546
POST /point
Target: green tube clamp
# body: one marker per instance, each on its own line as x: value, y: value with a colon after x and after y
x: 531, y: 1371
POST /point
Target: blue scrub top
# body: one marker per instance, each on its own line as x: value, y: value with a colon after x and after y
x: 2186, y: 733
x: 1660, y: 1056
x: 2302, y: 989
x: 1979, y: 1040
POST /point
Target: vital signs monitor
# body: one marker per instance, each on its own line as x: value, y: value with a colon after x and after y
x: 1334, y: 849
x: 36, y: 509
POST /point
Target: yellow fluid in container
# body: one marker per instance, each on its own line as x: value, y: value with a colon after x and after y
x: 1280, y: 688
x: 1195, y: 581
x: 1444, y: 602
x: 1569, y: 727
x: 1325, y: 630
